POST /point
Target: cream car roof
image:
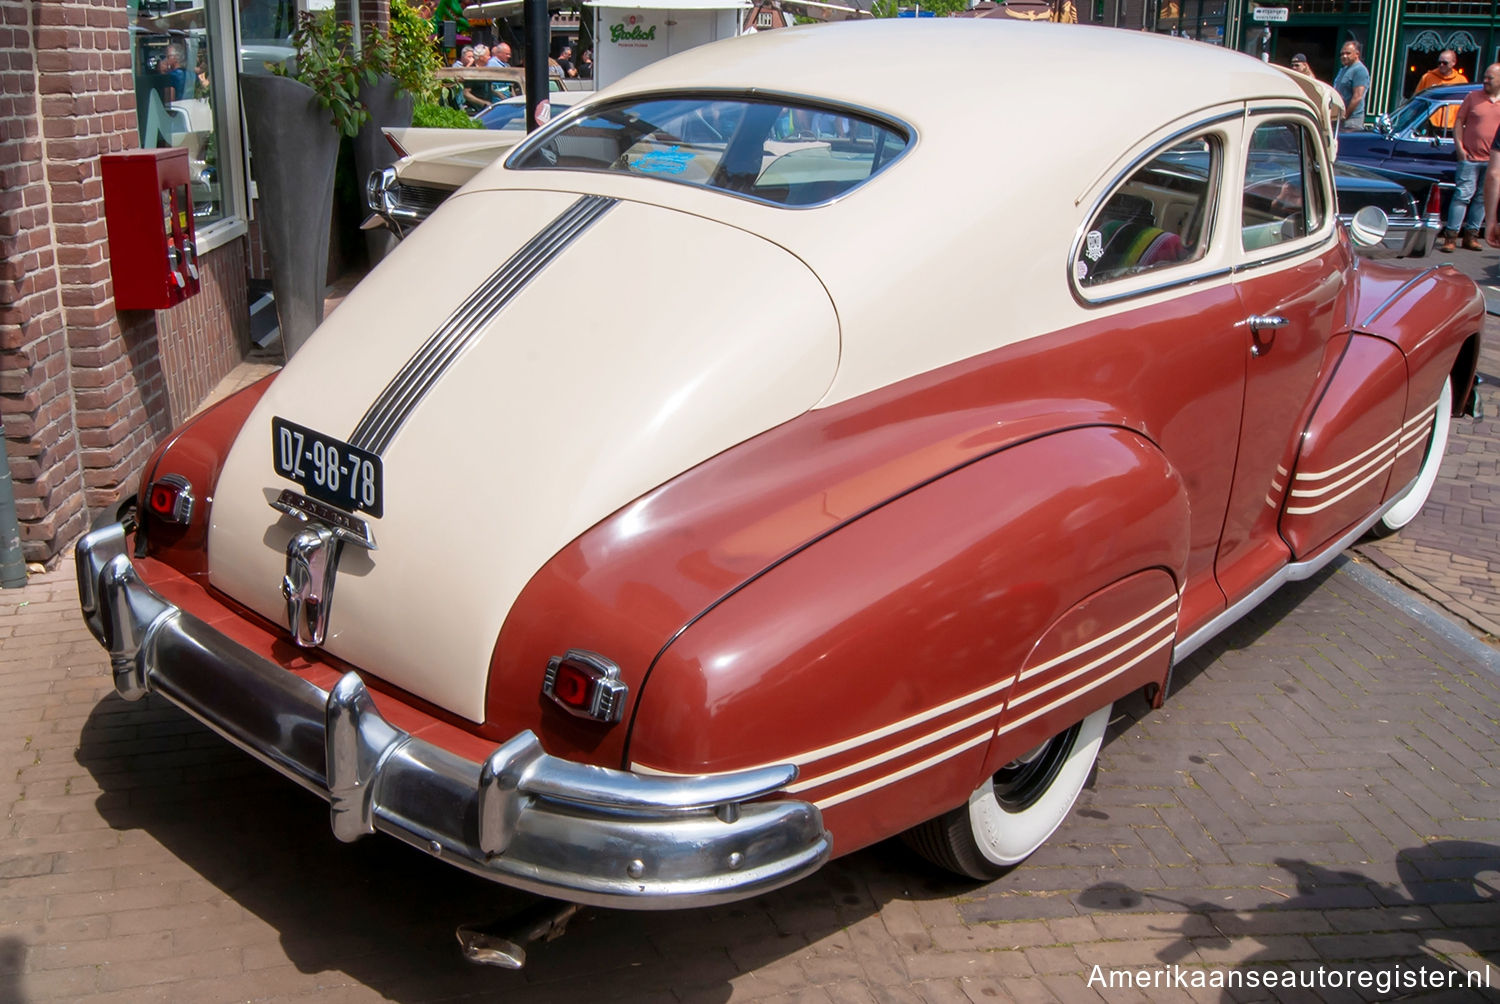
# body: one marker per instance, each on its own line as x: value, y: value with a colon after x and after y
x: 963, y: 244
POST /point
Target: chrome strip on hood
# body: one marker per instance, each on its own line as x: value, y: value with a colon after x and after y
x: 402, y: 395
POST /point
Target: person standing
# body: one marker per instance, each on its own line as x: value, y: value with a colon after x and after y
x: 1299, y: 63
x: 1446, y: 72
x: 1474, y: 129
x: 1352, y: 82
x: 499, y: 55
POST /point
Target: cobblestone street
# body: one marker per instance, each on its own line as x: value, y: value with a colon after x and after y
x: 1321, y: 789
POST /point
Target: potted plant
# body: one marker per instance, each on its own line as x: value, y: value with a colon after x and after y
x: 296, y: 118
x: 400, y: 65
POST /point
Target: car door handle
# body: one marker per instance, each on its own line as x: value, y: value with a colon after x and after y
x: 1259, y: 324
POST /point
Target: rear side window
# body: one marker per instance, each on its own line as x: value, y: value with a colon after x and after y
x: 1158, y: 217
x: 787, y: 154
x: 1283, y: 186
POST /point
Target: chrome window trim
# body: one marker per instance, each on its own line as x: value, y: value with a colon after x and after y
x: 1188, y: 274
x: 754, y: 94
x: 1328, y: 230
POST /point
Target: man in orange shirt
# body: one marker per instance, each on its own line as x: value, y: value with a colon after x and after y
x: 1446, y: 72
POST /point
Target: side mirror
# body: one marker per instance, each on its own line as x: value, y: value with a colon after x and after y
x: 1369, y: 226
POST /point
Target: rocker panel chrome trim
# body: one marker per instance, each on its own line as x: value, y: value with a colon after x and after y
x: 1294, y: 572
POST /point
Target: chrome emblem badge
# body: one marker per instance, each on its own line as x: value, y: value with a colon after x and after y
x: 312, y: 560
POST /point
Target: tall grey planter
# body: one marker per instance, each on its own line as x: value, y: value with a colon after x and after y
x: 388, y: 106
x: 294, y: 149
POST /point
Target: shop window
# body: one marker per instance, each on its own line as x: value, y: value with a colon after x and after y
x: 179, y: 87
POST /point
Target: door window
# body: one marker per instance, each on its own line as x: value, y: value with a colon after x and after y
x: 1284, y: 192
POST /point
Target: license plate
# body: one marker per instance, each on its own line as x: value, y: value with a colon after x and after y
x: 328, y: 469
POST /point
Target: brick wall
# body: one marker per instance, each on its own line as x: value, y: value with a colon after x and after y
x: 84, y: 389
x: 205, y: 336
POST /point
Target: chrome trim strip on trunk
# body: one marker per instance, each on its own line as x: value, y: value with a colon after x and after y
x: 405, y: 391
x: 523, y: 818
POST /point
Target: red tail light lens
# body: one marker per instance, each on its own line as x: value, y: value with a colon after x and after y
x: 1434, y: 200
x: 171, y: 499
x: 587, y: 685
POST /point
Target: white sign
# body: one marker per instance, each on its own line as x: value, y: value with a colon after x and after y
x: 1269, y: 13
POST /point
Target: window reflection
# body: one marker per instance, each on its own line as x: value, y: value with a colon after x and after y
x: 176, y: 90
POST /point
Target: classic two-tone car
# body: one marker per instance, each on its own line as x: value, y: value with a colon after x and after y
x: 699, y: 523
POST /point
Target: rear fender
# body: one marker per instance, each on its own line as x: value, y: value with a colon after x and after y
x: 879, y: 657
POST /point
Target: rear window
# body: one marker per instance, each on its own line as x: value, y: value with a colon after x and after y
x: 778, y: 152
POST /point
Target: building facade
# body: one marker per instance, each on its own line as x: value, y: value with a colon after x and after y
x: 87, y: 389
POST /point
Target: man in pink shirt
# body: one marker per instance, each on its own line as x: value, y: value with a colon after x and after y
x: 1473, y: 135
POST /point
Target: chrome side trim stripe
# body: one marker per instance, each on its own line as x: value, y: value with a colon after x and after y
x: 1405, y: 287
x: 1156, y: 636
x: 416, y: 379
x: 1080, y: 691
x: 1170, y: 601
x: 1166, y: 623
x: 905, y: 772
x: 1397, y: 444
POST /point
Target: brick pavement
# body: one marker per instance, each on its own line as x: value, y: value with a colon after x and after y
x: 1322, y: 789
x: 1451, y: 552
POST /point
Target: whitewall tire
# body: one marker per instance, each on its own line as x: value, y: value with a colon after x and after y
x: 1012, y: 813
x: 1406, y: 508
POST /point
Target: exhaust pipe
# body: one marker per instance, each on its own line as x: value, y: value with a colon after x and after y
x: 503, y: 942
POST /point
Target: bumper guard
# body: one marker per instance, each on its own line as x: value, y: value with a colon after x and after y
x: 572, y: 831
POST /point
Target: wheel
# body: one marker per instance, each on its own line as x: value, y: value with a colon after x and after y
x: 1406, y: 508
x: 1012, y: 813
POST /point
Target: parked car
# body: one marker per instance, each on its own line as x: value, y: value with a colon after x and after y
x: 1415, y: 139
x: 434, y: 163
x: 1410, y: 205
x: 763, y: 488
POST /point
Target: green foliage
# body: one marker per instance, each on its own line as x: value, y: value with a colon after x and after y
x: 939, y: 8
x: 451, y: 10
x: 407, y: 52
x: 328, y: 63
x: 441, y: 117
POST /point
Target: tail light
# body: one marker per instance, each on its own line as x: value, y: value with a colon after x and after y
x: 587, y: 685
x: 1434, y: 200
x: 171, y: 499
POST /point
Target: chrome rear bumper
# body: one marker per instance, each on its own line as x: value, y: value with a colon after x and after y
x: 550, y: 826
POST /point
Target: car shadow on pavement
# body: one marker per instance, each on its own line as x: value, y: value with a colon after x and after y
x: 385, y: 915
x: 1416, y: 931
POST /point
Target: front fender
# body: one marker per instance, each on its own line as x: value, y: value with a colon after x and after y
x: 1428, y: 315
x: 878, y: 658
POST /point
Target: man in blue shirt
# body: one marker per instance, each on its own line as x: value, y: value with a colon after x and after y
x: 1352, y: 82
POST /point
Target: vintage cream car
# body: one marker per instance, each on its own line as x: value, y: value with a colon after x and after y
x: 753, y: 483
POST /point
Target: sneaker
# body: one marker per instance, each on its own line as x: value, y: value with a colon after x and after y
x: 1471, y: 241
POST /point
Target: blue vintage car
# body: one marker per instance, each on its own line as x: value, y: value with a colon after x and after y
x: 1416, y: 138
